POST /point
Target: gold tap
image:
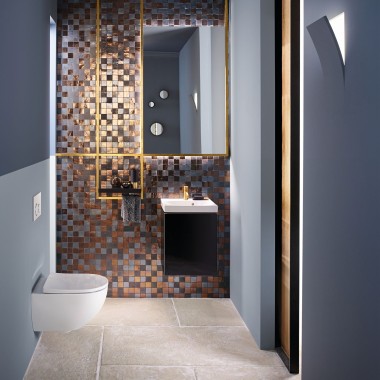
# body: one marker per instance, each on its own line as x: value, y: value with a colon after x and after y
x: 186, y: 192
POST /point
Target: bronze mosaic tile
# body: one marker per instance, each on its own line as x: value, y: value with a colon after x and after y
x: 76, y: 69
x: 182, y: 13
x: 91, y: 236
x: 120, y: 66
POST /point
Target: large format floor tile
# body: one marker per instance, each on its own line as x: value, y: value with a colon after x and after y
x: 157, y: 339
x: 207, y: 312
x: 146, y: 373
x: 183, y: 346
x: 244, y: 373
x: 66, y: 356
x: 136, y: 312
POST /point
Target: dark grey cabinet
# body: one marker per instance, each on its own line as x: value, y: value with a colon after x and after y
x: 190, y: 244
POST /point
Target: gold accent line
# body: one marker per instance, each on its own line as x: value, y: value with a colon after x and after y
x: 142, y: 98
x: 97, y: 90
x: 110, y: 198
x: 226, y: 51
x: 100, y: 155
x: 76, y: 154
x: 119, y: 154
x: 185, y: 155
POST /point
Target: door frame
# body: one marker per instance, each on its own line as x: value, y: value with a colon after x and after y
x: 292, y: 362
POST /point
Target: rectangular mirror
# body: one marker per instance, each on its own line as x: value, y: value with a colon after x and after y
x: 185, y: 89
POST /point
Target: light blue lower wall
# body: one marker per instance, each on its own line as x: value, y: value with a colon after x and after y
x: 24, y: 253
x: 253, y: 166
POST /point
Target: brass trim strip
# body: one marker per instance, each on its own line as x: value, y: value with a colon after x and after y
x: 98, y: 155
x: 89, y: 155
x: 142, y: 98
x: 185, y: 155
x: 97, y: 91
x: 109, y: 198
x: 227, y: 57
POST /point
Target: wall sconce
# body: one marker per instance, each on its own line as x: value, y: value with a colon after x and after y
x: 329, y: 40
x: 338, y: 26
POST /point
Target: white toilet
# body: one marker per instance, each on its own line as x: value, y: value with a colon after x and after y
x: 65, y: 302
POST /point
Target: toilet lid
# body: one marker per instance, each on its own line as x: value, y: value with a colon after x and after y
x: 74, y: 283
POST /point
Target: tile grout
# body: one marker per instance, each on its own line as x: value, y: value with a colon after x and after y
x: 100, y: 354
x: 176, y: 313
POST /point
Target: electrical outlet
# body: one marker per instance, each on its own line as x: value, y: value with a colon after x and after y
x: 36, y: 206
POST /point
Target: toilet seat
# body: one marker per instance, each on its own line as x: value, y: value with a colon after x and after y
x: 65, y: 283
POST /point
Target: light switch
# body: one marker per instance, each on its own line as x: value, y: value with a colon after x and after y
x: 36, y: 206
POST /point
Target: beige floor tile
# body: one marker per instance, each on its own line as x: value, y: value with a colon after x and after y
x: 146, y: 373
x: 62, y: 356
x: 207, y: 312
x: 244, y: 373
x: 182, y: 346
x: 136, y: 312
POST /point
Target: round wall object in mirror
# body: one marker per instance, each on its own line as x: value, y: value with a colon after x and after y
x: 164, y: 94
x: 156, y: 129
x: 151, y: 104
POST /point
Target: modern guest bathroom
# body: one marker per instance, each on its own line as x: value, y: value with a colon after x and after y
x: 175, y: 178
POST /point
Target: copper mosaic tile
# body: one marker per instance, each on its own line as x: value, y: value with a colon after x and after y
x: 120, y: 66
x: 76, y: 69
x: 91, y: 236
x: 182, y: 13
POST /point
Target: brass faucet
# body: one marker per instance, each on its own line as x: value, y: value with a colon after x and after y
x: 186, y: 192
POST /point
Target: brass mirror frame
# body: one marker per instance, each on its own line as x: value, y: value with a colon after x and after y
x: 227, y: 91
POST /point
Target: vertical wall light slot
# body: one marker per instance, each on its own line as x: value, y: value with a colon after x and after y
x: 195, y: 99
x: 338, y: 27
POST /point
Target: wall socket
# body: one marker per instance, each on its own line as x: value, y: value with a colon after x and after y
x: 36, y: 206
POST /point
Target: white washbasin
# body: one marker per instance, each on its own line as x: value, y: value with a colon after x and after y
x: 188, y: 205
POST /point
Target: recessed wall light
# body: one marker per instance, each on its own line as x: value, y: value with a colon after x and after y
x: 338, y: 26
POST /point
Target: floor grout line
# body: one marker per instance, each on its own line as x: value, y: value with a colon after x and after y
x: 179, y: 323
x: 100, y: 355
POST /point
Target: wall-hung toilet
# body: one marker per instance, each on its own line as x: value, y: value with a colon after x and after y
x: 65, y: 301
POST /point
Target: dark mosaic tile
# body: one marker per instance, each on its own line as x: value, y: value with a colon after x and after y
x: 182, y: 13
x: 91, y: 236
x: 120, y: 66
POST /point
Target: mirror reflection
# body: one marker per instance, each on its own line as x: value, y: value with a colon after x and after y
x: 184, y: 75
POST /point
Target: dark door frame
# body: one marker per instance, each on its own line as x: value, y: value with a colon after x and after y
x: 292, y: 362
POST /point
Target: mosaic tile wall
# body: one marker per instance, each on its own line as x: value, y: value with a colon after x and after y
x: 91, y: 236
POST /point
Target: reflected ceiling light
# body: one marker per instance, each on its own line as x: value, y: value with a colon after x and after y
x: 338, y: 27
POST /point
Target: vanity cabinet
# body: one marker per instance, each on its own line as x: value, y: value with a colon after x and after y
x: 190, y: 243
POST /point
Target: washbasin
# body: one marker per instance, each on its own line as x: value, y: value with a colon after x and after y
x: 188, y: 205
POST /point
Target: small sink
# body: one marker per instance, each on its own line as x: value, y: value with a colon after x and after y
x: 188, y: 205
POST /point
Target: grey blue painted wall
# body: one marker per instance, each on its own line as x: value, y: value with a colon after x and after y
x: 24, y: 171
x: 24, y: 90
x: 253, y: 166
x: 341, y: 287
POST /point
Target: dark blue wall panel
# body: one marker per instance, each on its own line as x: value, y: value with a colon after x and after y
x: 24, y: 79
